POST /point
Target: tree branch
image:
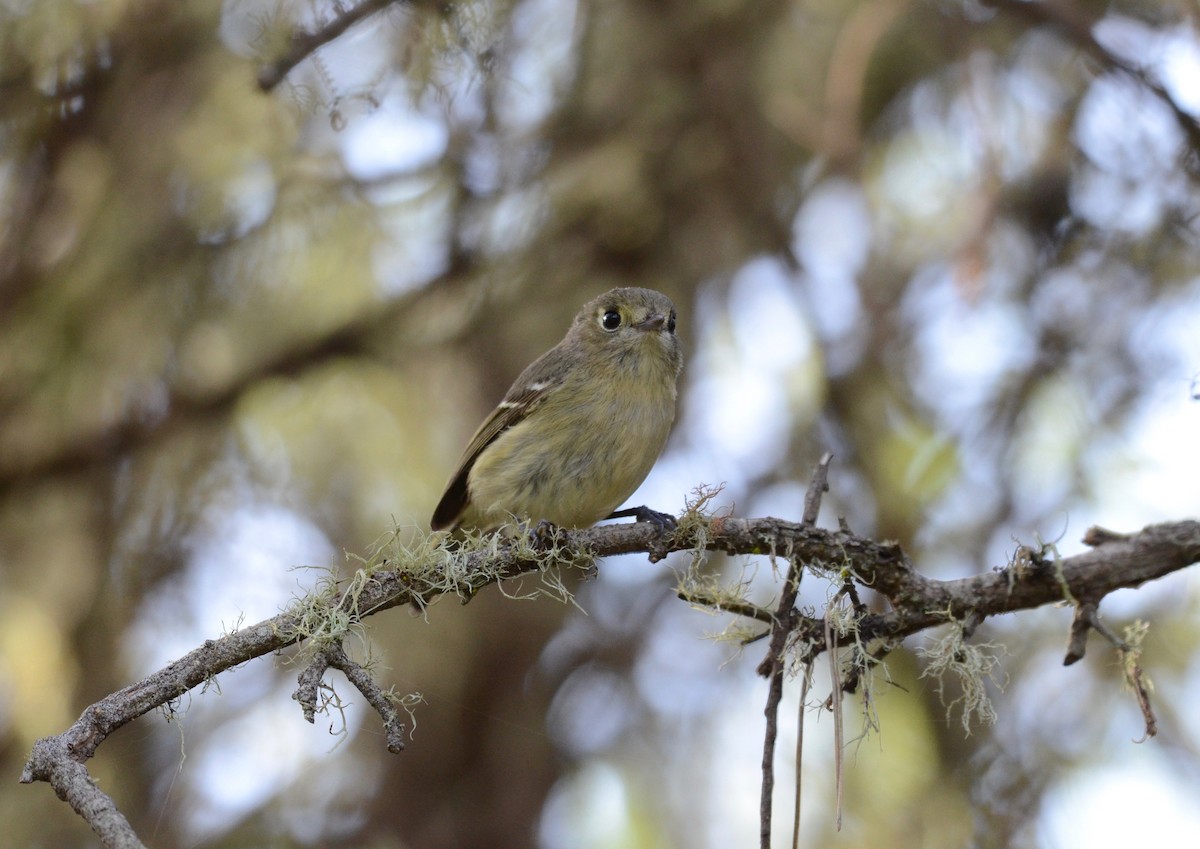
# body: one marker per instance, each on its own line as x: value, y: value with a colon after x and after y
x: 303, y: 44
x: 918, y: 602
x: 335, y: 655
x: 1076, y: 25
x: 133, y: 431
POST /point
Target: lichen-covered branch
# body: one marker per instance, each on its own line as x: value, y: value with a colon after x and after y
x: 919, y: 602
x: 435, y: 567
x: 307, y: 693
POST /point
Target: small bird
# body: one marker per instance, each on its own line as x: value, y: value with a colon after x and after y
x: 580, y: 428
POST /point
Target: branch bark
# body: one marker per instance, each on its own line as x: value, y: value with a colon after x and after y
x: 918, y: 602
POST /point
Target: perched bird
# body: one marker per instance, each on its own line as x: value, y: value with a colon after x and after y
x: 580, y: 428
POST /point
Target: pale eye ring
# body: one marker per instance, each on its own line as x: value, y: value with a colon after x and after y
x: 611, y: 320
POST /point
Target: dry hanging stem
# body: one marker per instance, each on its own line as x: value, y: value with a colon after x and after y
x: 774, y: 664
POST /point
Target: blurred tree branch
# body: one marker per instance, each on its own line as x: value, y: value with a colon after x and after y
x: 671, y: 145
x: 917, y: 603
x: 1076, y: 25
x: 182, y: 409
x: 303, y: 44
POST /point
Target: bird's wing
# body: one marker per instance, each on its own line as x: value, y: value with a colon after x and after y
x: 534, y: 385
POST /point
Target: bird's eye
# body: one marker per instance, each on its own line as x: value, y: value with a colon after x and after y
x: 671, y: 322
x: 611, y: 320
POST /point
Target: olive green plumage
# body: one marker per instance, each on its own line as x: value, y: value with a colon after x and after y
x: 581, y: 427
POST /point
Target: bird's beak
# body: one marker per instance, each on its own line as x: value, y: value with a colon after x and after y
x: 654, y: 321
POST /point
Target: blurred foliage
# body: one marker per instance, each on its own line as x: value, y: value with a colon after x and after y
x: 242, y: 331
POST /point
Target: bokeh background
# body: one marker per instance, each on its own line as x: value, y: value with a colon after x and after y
x: 244, y: 332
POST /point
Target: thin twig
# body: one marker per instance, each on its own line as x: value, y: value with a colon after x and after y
x: 358, y: 675
x: 740, y: 608
x: 1087, y: 618
x: 817, y: 487
x: 805, y: 683
x: 1093, y: 619
x: 1137, y: 682
x: 308, y: 691
x: 835, y: 699
x: 304, y: 44
x: 774, y: 696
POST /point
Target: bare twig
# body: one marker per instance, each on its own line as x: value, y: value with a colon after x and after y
x: 1077, y: 638
x: 1137, y: 682
x: 805, y: 683
x: 817, y: 487
x: 774, y: 697
x: 835, y: 704
x: 357, y: 675
x: 308, y: 691
x: 740, y: 608
x: 1096, y: 535
x: 1087, y: 617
